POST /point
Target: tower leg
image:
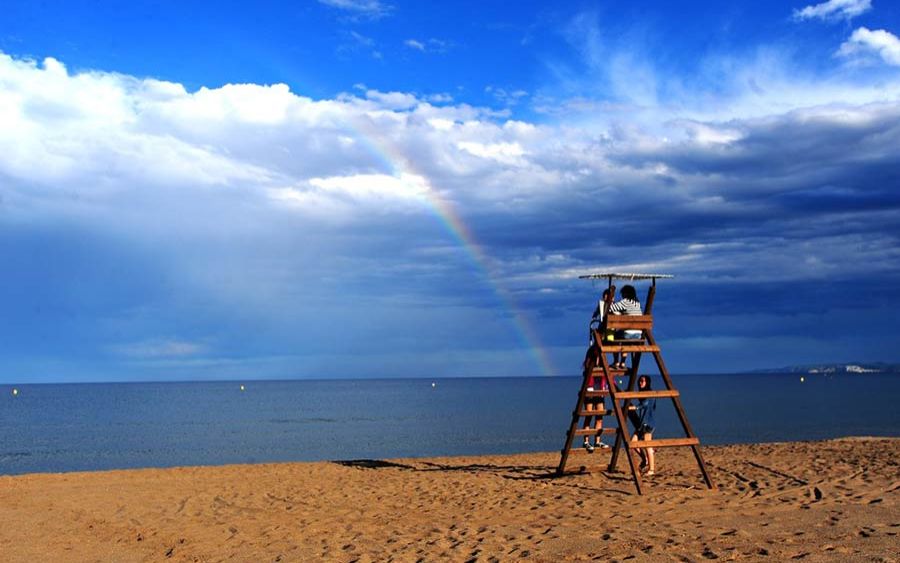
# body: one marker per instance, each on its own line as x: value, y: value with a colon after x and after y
x: 679, y: 409
x: 632, y: 378
x: 589, y: 362
x: 623, y: 437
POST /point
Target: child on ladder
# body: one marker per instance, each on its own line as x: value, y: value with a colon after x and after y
x: 641, y: 416
x: 595, y: 403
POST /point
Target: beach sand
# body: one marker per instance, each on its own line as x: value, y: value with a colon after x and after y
x: 835, y: 500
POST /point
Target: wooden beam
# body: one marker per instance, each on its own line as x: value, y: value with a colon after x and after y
x: 664, y: 443
x: 585, y: 377
x: 594, y: 431
x: 581, y: 451
x: 651, y: 294
x: 679, y: 409
x: 615, y: 372
x: 595, y: 413
x: 633, y: 322
x: 646, y: 394
x: 632, y: 381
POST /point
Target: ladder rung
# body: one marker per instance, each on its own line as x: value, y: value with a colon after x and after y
x: 593, y: 431
x: 595, y: 413
x: 664, y: 443
x: 615, y: 371
x: 646, y: 394
x: 596, y: 394
x: 581, y: 450
x: 618, y: 348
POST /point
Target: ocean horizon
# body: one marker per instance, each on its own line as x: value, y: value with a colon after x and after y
x: 61, y: 427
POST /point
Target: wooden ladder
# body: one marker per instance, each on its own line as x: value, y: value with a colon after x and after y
x: 597, y: 366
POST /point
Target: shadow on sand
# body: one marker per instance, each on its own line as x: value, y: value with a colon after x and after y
x: 513, y: 472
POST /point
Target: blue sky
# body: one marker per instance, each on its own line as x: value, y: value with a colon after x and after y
x: 341, y: 188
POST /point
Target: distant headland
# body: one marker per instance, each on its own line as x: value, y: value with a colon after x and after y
x: 834, y: 369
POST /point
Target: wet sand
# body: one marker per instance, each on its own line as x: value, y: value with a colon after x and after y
x: 835, y: 500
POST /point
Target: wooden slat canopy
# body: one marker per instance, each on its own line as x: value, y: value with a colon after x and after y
x: 625, y: 276
x: 626, y: 348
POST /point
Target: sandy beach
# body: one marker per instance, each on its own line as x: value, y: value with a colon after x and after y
x: 835, y: 500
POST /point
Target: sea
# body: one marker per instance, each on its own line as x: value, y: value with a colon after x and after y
x: 78, y: 427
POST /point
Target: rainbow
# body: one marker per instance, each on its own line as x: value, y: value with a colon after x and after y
x: 398, y: 165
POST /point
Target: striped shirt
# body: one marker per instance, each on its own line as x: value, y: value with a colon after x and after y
x: 626, y: 307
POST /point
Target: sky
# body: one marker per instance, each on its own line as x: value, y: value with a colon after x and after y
x: 368, y: 188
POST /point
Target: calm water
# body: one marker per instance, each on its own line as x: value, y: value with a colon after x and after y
x: 104, y: 426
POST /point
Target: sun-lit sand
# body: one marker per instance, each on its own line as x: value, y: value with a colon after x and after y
x: 835, y: 501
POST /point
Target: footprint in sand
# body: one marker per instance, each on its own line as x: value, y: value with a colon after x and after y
x: 815, y: 493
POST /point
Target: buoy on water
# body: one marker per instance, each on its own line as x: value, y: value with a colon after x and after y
x: 802, y: 379
x: 15, y: 391
x: 433, y: 384
x: 242, y: 387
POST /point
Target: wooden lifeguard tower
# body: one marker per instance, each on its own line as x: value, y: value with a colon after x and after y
x: 597, y: 367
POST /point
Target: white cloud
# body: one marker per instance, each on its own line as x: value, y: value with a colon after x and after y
x: 722, y: 88
x: 441, y: 124
x: 153, y: 160
x: 880, y: 42
x: 834, y: 9
x: 362, y: 39
x: 441, y: 98
x: 431, y: 45
x: 711, y: 134
x: 393, y: 100
x: 402, y: 186
x: 505, y: 96
x: 357, y: 42
x: 508, y: 153
x: 413, y: 44
x: 366, y: 8
x: 85, y: 127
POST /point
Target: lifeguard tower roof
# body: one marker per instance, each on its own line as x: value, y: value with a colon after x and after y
x: 624, y: 276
